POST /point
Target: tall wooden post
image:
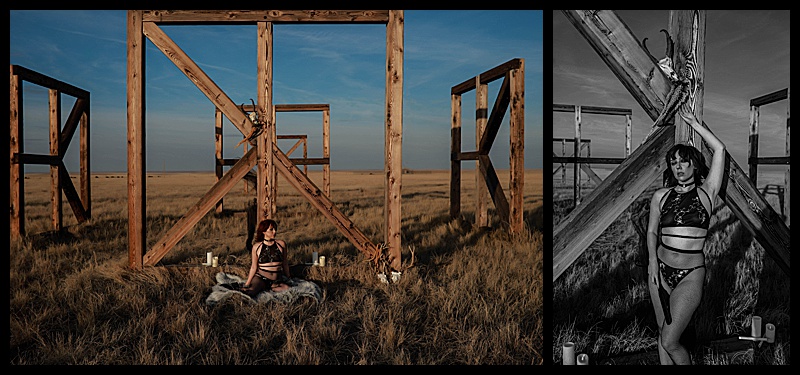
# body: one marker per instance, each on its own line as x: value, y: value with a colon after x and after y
x: 136, y: 141
x: 265, y: 178
x: 393, y: 163
x: 16, y: 146
x: 326, y: 151
x: 55, y: 135
x: 455, y: 155
x: 481, y: 116
x: 517, y: 146
x: 688, y: 30
x: 218, y: 151
x: 576, y: 189
x: 787, y: 179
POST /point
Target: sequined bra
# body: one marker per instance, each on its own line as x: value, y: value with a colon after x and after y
x: 683, y: 210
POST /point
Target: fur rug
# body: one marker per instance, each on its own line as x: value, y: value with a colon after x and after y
x: 228, y: 284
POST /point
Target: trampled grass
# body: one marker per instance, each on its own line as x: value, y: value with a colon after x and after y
x: 474, y: 295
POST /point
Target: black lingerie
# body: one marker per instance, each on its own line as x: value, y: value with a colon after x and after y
x: 679, y: 210
x: 269, y: 255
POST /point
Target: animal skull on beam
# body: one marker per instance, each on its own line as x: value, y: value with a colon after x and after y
x: 681, y: 85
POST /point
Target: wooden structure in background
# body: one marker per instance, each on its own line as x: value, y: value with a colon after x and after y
x: 146, y: 23
x: 623, y: 53
x: 752, y: 155
x: 302, y: 139
x: 580, y: 162
x: 60, y: 139
x: 586, y: 144
x: 486, y: 126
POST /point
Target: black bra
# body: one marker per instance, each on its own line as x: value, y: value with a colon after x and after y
x: 683, y: 210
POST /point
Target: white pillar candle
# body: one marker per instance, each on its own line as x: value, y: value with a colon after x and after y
x: 208, y: 258
x: 583, y: 359
x: 315, y: 258
x: 568, y: 353
x: 322, y: 261
x: 214, y: 261
x: 770, y: 333
x: 755, y: 329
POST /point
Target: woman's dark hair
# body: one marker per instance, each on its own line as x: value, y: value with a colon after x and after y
x: 263, y: 226
x: 686, y: 152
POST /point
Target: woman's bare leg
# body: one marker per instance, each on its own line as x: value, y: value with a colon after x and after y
x: 684, y: 300
x: 663, y: 356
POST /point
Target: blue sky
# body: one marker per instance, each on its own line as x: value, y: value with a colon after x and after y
x: 747, y: 55
x: 337, y: 64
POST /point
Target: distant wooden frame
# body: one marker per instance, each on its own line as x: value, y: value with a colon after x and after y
x: 576, y: 159
x: 302, y: 139
x: 145, y: 23
x: 752, y: 156
x: 60, y: 139
x: 512, y: 91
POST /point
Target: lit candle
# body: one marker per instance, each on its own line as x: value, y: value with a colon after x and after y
x: 208, y: 258
x: 215, y: 262
x: 322, y: 261
x: 755, y: 329
x: 583, y: 359
x: 568, y: 353
x: 315, y: 258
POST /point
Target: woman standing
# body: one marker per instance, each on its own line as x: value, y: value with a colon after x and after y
x: 676, y: 233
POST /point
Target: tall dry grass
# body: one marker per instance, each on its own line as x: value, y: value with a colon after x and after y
x: 602, y: 303
x: 474, y: 296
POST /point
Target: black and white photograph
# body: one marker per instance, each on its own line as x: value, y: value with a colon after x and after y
x: 670, y: 187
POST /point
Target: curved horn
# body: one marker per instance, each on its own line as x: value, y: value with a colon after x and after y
x: 670, y: 44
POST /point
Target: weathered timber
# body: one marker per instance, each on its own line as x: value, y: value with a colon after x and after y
x: 210, y: 17
x: 687, y: 28
x: 322, y: 203
x: 393, y: 136
x: 196, y: 212
x: 137, y: 236
x: 621, y: 188
x: 203, y: 82
x: 611, y: 38
x: 494, y: 188
x: 59, y: 139
x: 266, y: 181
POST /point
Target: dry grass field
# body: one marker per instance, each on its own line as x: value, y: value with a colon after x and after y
x: 474, y: 295
x: 602, y: 304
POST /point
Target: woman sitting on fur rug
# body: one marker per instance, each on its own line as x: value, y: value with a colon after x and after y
x: 269, y: 269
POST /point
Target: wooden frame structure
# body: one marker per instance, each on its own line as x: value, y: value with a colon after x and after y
x: 302, y: 139
x: 586, y: 144
x: 486, y: 126
x: 639, y: 73
x: 60, y: 139
x: 576, y: 159
x: 752, y: 156
x: 145, y: 23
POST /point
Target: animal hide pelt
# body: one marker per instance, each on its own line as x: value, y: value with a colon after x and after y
x: 228, y: 285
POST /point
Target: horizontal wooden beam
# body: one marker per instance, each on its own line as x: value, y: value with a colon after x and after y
x: 298, y: 136
x: 35, y: 159
x: 572, y: 159
x: 48, y: 82
x: 487, y: 76
x: 586, y: 109
x: 770, y: 98
x: 769, y: 160
x: 275, y: 16
x: 571, y: 140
